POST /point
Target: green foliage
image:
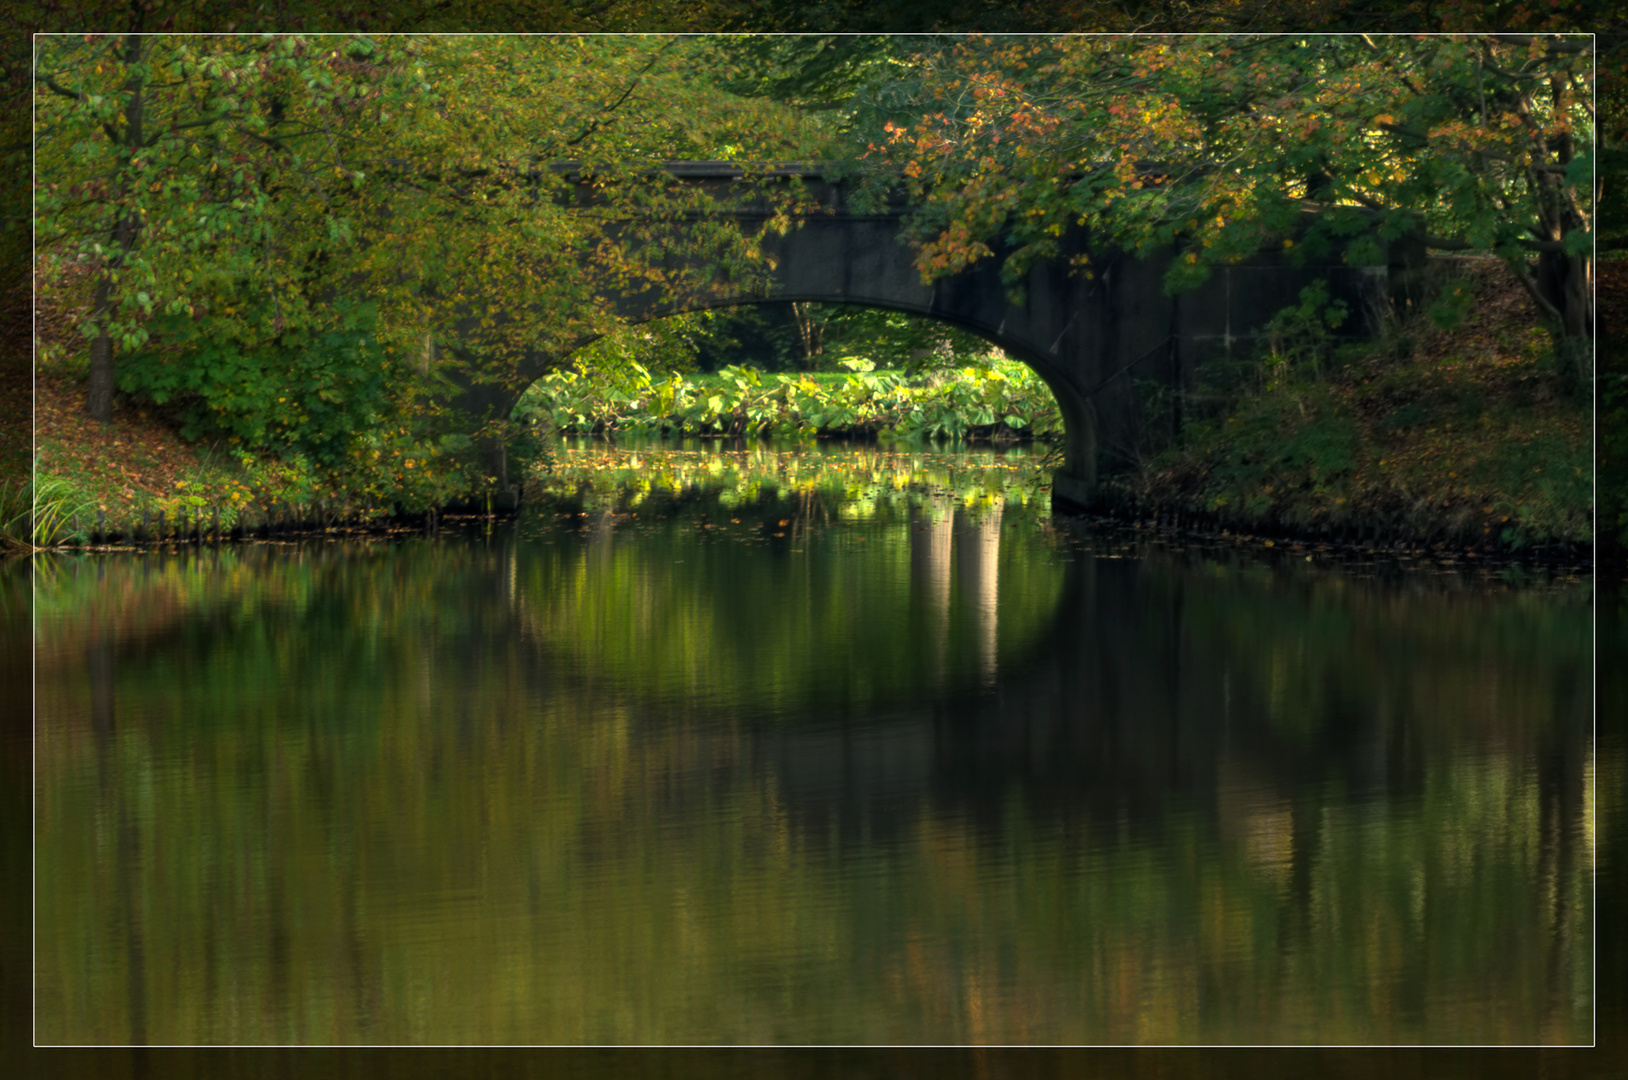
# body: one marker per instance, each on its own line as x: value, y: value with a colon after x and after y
x: 1300, y: 336
x: 895, y: 339
x: 786, y: 337
x: 288, y: 479
x: 881, y: 372
x: 991, y: 399
x: 1458, y: 437
x: 1294, y: 351
x: 765, y: 335
x: 227, y: 188
x: 303, y: 391
x: 414, y: 466
x: 179, y: 165
x: 1268, y: 423
x: 1279, y: 442
x: 1545, y: 489
x: 1453, y: 302
x: 819, y: 73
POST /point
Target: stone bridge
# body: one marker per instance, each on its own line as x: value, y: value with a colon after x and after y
x: 1091, y: 339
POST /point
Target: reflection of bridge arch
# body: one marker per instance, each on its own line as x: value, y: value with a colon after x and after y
x: 1088, y: 338
x: 933, y: 616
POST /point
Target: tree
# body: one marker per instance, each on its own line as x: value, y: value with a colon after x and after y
x: 186, y: 167
x: 1481, y: 142
x: 246, y: 182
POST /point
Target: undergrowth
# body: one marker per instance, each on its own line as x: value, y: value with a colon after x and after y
x: 1462, y: 434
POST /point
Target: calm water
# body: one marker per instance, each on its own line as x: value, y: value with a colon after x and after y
x: 718, y: 747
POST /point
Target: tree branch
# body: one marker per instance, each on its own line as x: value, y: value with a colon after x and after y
x: 55, y: 87
x: 1554, y: 46
x: 1391, y: 63
x: 632, y: 85
x: 1531, y: 288
x: 1398, y: 129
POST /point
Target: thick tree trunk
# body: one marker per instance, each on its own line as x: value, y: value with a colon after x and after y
x: 1566, y: 282
x: 1562, y: 288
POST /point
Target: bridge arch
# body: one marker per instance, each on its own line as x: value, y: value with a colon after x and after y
x: 1090, y: 339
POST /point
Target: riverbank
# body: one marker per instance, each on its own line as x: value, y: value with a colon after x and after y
x: 137, y: 481
x: 1428, y: 440
x: 1425, y: 439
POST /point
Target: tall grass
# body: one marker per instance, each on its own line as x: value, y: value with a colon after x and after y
x: 39, y: 515
x: 14, y: 512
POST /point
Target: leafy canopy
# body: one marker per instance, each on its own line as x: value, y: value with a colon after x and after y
x: 1481, y: 142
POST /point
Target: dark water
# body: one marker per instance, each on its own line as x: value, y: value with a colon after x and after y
x: 761, y: 748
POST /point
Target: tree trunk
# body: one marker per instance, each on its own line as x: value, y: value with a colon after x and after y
x: 99, y: 396
x: 1566, y: 282
x: 809, y: 332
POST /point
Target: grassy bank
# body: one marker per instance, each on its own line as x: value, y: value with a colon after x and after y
x: 138, y: 475
x: 1463, y: 437
x: 98, y: 479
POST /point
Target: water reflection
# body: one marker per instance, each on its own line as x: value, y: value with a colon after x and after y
x: 716, y: 762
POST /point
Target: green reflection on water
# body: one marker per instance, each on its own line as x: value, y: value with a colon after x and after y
x: 641, y: 771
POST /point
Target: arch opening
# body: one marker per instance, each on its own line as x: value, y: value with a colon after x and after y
x: 913, y: 373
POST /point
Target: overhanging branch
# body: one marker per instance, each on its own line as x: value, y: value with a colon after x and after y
x: 57, y: 88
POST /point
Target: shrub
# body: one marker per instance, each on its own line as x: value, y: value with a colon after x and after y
x: 308, y: 391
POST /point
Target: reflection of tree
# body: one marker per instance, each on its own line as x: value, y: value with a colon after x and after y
x: 114, y: 799
x: 858, y: 484
x: 977, y: 571
x: 760, y: 605
x: 931, y: 524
